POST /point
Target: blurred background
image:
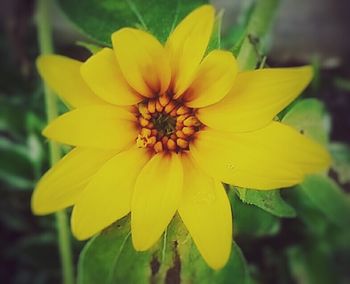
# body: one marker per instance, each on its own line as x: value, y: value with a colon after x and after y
x: 312, y: 31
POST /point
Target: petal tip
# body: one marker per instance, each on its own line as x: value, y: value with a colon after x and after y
x: 38, y: 204
x: 219, y: 262
x: 77, y: 230
x: 47, y: 131
x: 305, y: 74
x: 79, y: 235
x: 140, y: 244
x: 207, y: 8
x: 116, y: 34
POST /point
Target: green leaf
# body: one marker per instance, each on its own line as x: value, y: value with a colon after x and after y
x: 270, y: 201
x: 99, y: 19
x: 195, y: 270
x: 328, y: 197
x: 341, y: 161
x: 110, y: 258
x: 256, y: 33
x: 251, y: 221
x: 309, y: 117
x: 313, y: 219
x: 182, y: 263
x: 215, y: 40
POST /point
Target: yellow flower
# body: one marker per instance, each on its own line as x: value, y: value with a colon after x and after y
x: 157, y: 129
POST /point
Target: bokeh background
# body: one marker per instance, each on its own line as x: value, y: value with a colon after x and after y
x: 312, y: 31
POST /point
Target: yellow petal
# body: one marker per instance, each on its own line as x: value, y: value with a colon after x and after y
x: 62, y: 74
x: 156, y: 198
x: 102, y: 74
x: 187, y: 44
x: 106, y: 127
x: 256, y: 98
x: 206, y: 212
x: 107, y: 197
x: 142, y: 60
x: 63, y: 183
x: 213, y: 80
x: 273, y: 157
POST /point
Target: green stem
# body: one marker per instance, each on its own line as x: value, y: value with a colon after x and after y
x: 46, y: 47
x: 258, y: 27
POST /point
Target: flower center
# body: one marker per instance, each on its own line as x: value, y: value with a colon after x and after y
x: 166, y: 124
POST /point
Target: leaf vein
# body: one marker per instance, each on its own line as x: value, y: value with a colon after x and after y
x: 137, y: 13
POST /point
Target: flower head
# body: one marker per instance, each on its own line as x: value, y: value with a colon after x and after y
x: 157, y: 129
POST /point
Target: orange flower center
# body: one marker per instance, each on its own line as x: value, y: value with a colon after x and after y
x: 166, y: 124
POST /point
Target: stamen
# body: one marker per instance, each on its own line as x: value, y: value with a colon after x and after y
x: 142, y: 141
x: 158, y: 147
x: 180, y: 134
x: 144, y: 111
x: 159, y: 107
x: 146, y: 132
x: 173, y: 112
x: 164, y: 100
x: 191, y: 121
x: 182, y: 143
x: 152, y: 106
x: 152, y: 141
x: 143, y: 121
x: 181, y: 118
x: 169, y: 107
x: 166, y: 124
x: 171, y: 145
x: 188, y: 130
x: 182, y: 110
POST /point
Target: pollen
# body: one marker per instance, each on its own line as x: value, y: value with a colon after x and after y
x: 166, y: 124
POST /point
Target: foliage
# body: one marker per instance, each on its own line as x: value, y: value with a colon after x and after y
x: 99, y: 19
x: 298, y: 235
x: 110, y: 258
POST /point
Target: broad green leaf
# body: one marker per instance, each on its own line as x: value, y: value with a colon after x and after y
x: 110, y: 258
x: 251, y: 221
x: 215, y: 40
x: 341, y: 161
x: 182, y: 263
x: 328, y: 197
x: 270, y: 201
x: 309, y: 117
x: 312, y: 218
x: 195, y: 270
x: 99, y: 19
x: 256, y: 33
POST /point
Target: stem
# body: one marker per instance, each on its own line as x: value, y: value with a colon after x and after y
x: 257, y: 29
x: 46, y: 47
